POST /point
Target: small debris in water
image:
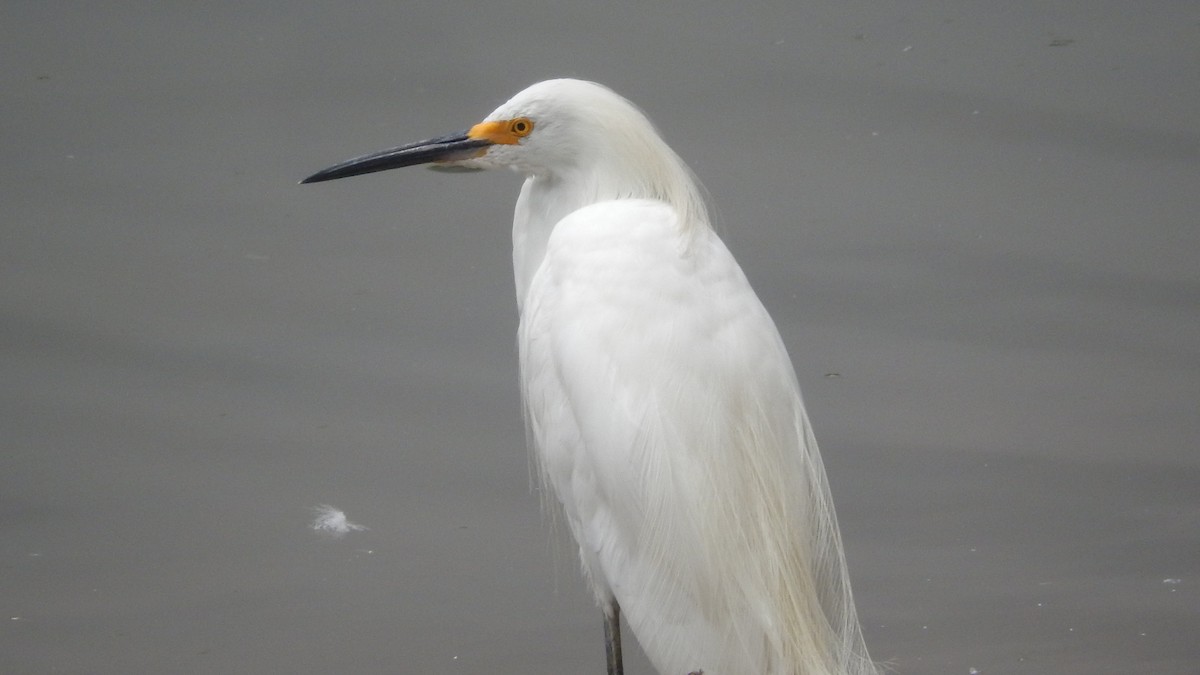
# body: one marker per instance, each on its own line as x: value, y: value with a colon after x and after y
x: 333, y: 521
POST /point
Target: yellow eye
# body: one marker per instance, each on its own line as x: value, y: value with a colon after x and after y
x: 520, y: 127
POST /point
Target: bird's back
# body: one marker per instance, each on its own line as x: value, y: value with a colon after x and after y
x: 665, y: 416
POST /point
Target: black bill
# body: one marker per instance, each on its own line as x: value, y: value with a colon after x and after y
x: 443, y: 149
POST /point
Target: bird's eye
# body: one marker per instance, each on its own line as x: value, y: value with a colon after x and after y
x: 520, y: 127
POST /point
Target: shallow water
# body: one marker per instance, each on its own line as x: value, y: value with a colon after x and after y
x: 975, y: 226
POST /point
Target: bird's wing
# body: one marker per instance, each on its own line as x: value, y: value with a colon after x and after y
x: 665, y: 416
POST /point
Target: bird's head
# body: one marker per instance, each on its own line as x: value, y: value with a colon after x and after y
x: 583, y: 132
x: 550, y: 126
x: 539, y: 128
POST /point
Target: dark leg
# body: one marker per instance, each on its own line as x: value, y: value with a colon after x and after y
x: 612, y: 638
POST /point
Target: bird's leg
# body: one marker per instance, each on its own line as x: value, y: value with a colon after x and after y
x: 612, y: 637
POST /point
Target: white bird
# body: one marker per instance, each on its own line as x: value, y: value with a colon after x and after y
x: 661, y: 405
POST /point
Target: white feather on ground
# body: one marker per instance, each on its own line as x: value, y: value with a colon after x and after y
x: 332, y: 521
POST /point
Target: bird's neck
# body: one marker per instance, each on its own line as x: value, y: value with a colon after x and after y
x: 544, y: 200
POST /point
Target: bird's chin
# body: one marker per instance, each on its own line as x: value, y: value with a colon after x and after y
x: 468, y: 165
x: 455, y: 167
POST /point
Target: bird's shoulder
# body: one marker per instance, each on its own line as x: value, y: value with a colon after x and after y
x: 620, y: 283
x: 633, y: 242
x: 615, y: 223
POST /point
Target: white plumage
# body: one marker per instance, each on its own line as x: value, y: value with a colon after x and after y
x: 661, y: 405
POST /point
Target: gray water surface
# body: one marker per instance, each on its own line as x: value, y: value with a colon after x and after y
x: 974, y: 223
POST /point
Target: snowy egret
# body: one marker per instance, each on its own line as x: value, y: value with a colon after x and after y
x: 661, y: 405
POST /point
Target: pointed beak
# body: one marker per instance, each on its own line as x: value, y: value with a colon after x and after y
x: 449, y: 148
